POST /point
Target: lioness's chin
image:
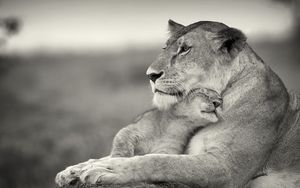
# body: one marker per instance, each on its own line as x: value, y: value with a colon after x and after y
x: 163, y: 101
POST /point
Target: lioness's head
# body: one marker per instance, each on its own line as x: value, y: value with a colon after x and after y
x: 198, y: 55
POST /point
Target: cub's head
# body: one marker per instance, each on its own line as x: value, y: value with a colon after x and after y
x: 198, y: 55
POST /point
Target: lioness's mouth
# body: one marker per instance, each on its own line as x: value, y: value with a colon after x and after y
x: 177, y: 94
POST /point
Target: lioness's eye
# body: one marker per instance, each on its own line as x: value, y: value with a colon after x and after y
x: 183, y: 49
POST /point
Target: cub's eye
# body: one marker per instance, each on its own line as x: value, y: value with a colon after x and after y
x: 184, y: 49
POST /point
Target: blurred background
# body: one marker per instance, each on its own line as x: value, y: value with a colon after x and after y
x: 72, y: 72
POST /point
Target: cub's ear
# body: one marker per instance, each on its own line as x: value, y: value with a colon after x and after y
x: 229, y: 40
x: 174, y: 27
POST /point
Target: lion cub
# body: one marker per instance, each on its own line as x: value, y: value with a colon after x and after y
x: 173, y: 130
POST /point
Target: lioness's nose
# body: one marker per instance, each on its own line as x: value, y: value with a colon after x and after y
x: 154, y: 75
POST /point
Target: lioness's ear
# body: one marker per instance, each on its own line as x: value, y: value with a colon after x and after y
x: 174, y: 27
x: 229, y: 40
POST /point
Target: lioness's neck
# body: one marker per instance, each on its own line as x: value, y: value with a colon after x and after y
x: 253, y: 78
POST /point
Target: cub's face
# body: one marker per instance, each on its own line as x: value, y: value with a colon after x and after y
x: 193, y: 58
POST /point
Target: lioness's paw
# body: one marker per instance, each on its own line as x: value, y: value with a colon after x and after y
x: 71, y: 174
x: 64, y: 178
x: 110, y: 171
x: 102, y: 176
x: 93, y: 176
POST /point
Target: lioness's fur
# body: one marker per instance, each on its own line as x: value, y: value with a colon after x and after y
x: 256, y: 144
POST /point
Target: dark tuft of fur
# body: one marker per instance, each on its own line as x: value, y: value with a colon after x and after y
x: 232, y: 40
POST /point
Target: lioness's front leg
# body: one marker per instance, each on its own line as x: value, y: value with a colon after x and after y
x: 196, y: 170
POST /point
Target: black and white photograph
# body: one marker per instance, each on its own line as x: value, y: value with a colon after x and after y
x: 149, y: 94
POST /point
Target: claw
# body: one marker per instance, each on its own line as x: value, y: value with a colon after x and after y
x: 99, y: 180
x: 74, y: 181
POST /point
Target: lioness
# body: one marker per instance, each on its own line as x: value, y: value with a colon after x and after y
x: 255, y: 144
x: 174, y: 130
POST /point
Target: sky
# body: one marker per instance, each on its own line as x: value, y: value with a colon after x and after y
x: 112, y: 24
